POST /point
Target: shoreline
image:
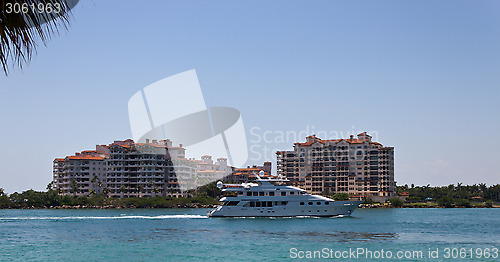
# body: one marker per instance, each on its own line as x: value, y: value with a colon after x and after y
x: 425, y: 206
x: 114, y: 207
x: 362, y: 206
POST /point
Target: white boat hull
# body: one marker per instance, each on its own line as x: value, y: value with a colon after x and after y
x: 292, y: 209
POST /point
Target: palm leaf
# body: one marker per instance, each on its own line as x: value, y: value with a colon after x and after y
x: 20, y: 32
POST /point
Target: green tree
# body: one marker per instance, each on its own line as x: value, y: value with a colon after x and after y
x: 445, y: 201
x: 94, y: 183
x: 74, y: 186
x: 396, y: 202
x: 122, y: 190
x: 4, y: 199
x: 462, y: 202
x: 341, y: 196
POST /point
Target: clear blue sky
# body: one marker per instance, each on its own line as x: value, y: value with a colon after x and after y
x: 423, y: 75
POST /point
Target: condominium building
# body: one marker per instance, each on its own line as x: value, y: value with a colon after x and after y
x: 81, y: 174
x: 244, y: 175
x: 128, y: 169
x: 136, y: 170
x: 357, y: 166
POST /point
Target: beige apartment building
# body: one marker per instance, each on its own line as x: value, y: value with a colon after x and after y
x: 81, y: 174
x: 128, y: 169
x: 357, y: 166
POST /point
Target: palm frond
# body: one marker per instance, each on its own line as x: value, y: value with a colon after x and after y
x: 20, y: 32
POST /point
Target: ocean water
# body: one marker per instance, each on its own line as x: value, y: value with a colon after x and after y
x: 187, y: 235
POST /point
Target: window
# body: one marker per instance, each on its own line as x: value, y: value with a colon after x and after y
x: 249, y: 193
x: 292, y: 193
x: 283, y: 193
x: 318, y: 203
x: 261, y: 193
x: 310, y: 203
x: 232, y: 203
x: 271, y: 193
x: 327, y: 203
x: 301, y: 203
x: 255, y: 193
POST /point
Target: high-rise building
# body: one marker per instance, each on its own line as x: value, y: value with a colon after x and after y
x: 81, y: 174
x: 244, y: 175
x: 357, y: 166
x: 128, y: 169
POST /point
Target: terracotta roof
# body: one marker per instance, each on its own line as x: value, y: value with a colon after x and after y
x: 89, y: 151
x: 125, y: 146
x: 348, y: 140
x: 59, y: 159
x: 249, y: 169
x: 87, y: 157
x: 149, y: 144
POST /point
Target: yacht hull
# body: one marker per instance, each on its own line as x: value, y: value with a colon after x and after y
x: 293, y: 209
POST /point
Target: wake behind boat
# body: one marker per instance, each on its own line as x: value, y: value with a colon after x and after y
x: 271, y: 198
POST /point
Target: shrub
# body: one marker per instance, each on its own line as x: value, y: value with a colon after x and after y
x: 396, y: 202
x: 413, y: 199
x: 341, y: 196
x: 445, y: 201
x: 462, y: 202
x: 488, y: 203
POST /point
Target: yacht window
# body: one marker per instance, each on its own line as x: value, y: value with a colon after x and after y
x: 269, y: 203
x: 264, y: 204
x: 327, y: 203
x: 291, y: 193
x: 283, y: 193
x: 240, y: 193
x: 310, y: 203
x: 283, y: 203
x: 232, y: 203
x: 255, y: 193
x: 271, y: 193
x: 318, y: 203
x: 249, y: 193
x: 252, y: 204
x: 301, y: 203
x: 257, y: 204
x: 261, y: 193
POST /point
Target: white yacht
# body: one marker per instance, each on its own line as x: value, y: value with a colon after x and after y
x: 265, y: 199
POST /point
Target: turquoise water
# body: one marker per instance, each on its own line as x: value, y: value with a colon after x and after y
x: 187, y: 234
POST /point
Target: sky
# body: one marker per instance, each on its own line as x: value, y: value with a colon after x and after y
x: 422, y: 76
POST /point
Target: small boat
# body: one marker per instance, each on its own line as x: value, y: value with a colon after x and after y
x: 272, y: 198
